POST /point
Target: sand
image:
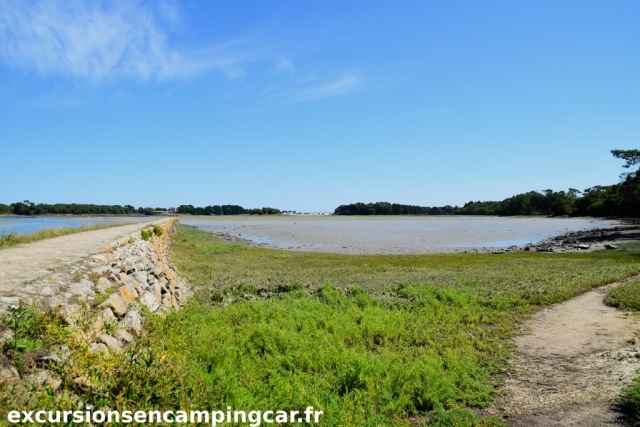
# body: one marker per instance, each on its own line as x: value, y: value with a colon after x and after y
x: 391, y: 235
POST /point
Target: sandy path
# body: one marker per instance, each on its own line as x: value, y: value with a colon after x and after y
x: 572, y: 364
x: 24, y: 263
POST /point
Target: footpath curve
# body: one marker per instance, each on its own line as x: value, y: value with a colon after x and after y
x: 573, y: 360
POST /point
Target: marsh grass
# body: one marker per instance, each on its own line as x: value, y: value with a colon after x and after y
x: 371, y: 340
x: 625, y: 296
x: 521, y: 278
x: 8, y: 240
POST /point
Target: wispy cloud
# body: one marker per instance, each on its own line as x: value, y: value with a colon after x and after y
x: 285, y: 65
x: 313, y: 89
x: 98, y: 39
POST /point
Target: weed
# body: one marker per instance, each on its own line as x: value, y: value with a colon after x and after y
x: 625, y: 296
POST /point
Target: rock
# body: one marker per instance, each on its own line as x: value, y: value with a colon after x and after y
x: 6, y: 334
x: 44, y: 376
x: 98, y: 327
x: 166, y: 302
x: 150, y: 301
x: 70, y: 313
x: 132, y: 321
x: 45, y: 291
x: 48, y: 358
x: 157, y: 290
x: 128, y: 267
x: 128, y: 291
x: 98, y: 348
x: 155, y: 271
x: 101, y: 271
x: 110, y: 342
x: 30, y: 290
x: 117, y: 303
x: 8, y: 371
x: 609, y: 246
x: 140, y: 276
x: 123, y: 337
x: 100, y: 259
x: 63, y: 351
x: 83, y: 381
x: 83, y: 288
x: 583, y: 246
x: 9, y: 302
x: 103, y: 285
x: 108, y: 316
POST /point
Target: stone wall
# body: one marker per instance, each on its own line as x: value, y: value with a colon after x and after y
x: 105, y: 296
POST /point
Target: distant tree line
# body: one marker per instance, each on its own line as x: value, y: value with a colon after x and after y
x: 618, y: 200
x: 386, y: 208
x: 225, y: 210
x: 29, y: 208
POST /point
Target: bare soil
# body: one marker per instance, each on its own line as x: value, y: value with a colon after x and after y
x: 572, y: 363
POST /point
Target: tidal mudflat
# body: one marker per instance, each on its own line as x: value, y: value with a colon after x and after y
x: 392, y: 235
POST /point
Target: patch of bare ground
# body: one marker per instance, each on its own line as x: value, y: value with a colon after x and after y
x: 571, y: 365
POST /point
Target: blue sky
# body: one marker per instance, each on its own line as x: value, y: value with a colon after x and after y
x: 309, y: 105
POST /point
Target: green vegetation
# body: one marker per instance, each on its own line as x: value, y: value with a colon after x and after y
x: 29, y: 208
x: 620, y: 200
x: 225, y: 210
x: 370, y: 340
x: 157, y: 230
x: 11, y: 239
x: 626, y: 296
x: 629, y: 405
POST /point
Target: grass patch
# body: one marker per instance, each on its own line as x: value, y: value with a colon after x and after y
x: 625, y: 296
x: 8, y: 240
x: 522, y: 278
x: 629, y: 405
x: 370, y: 340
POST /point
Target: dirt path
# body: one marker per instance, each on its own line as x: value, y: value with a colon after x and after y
x: 572, y: 365
x: 28, y: 262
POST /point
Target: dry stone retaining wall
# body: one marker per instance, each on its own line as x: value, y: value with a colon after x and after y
x: 109, y: 291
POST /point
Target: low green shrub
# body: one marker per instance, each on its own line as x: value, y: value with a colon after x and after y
x: 157, y: 230
x: 625, y: 296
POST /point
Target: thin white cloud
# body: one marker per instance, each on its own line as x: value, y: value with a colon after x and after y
x: 318, y: 90
x: 285, y: 65
x: 98, y: 39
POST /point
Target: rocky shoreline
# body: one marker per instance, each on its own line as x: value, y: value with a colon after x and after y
x: 589, y: 240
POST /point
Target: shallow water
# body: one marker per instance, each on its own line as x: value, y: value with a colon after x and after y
x: 391, y: 235
x: 32, y: 224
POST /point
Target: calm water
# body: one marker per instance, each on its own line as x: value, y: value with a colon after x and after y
x: 33, y: 224
x: 391, y: 235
